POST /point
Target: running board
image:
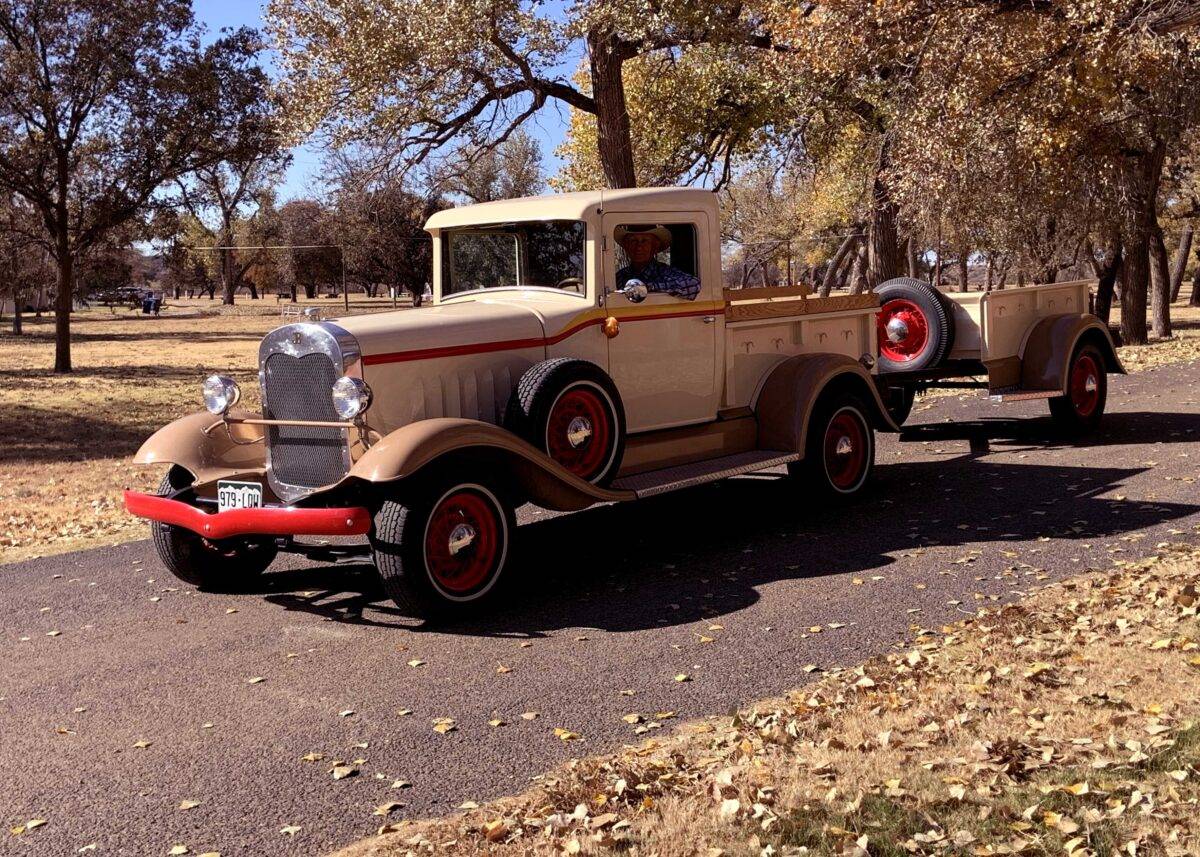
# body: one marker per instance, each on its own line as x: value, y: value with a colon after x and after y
x: 700, y: 472
x: 1013, y: 394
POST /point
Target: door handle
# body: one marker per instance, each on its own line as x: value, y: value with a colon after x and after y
x: 709, y: 319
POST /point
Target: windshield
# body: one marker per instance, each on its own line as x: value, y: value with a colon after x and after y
x: 547, y: 254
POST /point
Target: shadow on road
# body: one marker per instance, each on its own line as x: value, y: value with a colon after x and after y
x: 1120, y: 428
x: 706, y: 552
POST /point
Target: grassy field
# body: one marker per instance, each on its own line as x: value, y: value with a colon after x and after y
x: 1065, y: 724
x: 67, y: 439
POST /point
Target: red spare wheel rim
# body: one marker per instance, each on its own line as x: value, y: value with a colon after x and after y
x: 846, y: 450
x: 1085, y: 385
x: 464, y: 542
x: 579, y: 431
x: 903, y: 330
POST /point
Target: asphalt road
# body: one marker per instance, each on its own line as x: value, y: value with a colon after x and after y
x: 101, y: 651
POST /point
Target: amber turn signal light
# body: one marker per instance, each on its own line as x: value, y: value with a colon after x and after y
x: 611, y: 327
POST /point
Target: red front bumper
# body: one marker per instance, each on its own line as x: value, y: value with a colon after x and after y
x: 269, y: 521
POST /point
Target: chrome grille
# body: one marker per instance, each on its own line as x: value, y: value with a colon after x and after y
x: 298, y: 388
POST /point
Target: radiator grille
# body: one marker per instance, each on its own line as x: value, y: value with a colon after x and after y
x: 297, y: 388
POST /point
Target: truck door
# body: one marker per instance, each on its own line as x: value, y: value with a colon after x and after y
x: 664, y: 357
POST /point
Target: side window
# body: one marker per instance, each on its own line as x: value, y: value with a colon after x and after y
x: 661, y: 255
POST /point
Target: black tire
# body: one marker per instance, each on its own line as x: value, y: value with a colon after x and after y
x: 556, y: 395
x: 923, y: 322
x: 1080, y: 411
x: 830, y: 471
x: 228, y: 565
x: 443, y: 585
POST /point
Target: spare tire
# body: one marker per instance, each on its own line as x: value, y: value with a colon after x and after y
x: 916, y: 330
x: 570, y: 410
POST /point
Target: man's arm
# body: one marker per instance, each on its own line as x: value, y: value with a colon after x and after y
x: 674, y: 281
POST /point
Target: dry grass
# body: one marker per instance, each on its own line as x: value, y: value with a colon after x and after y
x: 1064, y: 724
x: 68, y: 438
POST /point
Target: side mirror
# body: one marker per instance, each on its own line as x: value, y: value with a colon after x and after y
x: 635, y: 291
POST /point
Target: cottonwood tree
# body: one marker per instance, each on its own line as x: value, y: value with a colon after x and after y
x: 102, y: 104
x: 470, y: 72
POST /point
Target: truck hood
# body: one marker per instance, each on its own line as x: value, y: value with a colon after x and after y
x: 446, y: 330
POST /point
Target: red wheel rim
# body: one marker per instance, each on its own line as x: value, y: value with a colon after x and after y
x: 845, y: 450
x: 579, y: 432
x: 1085, y: 385
x: 903, y: 330
x: 463, y: 542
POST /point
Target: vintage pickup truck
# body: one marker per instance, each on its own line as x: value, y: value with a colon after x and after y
x: 579, y: 349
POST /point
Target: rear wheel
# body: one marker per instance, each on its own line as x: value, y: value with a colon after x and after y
x: 443, y: 551
x: 915, y: 329
x: 1081, y: 409
x: 226, y: 565
x: 839, y: 453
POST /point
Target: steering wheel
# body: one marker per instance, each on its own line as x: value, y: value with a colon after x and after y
x: 570, y: 282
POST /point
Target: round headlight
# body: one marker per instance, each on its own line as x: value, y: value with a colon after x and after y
x: 220, y: 393
x: 351, y: 396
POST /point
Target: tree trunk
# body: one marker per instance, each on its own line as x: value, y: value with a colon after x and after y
x: 1107, y: 273
x: 1195, y: 299
x: 963, y: 272
x: 858, y: 278
x: 18, y: 326
x: 1140, y: 175
x: 910, y: 257
x: 835, y: 264
x: 63, y: 304
x: 1185, y: 249
x: 606, y: 55
x: 883, y: 257
x: 1160, y: 284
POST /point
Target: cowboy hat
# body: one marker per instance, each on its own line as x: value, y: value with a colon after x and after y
x: 660, y: 232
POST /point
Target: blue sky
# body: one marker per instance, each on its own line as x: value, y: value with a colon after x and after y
x: 302, y: 179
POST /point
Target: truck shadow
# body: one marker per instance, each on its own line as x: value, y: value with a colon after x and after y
x: 707, y: 552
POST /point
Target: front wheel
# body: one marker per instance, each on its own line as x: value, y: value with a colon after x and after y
x: 839, y: 451
x: 1079, y: 412
x: 227, y: 565
x: 443, y: 551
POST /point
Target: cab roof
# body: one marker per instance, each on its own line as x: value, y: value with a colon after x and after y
x: 579, y: 205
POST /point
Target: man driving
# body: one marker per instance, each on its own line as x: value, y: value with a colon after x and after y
x: 641, y: 244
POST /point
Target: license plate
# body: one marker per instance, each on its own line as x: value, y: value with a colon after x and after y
x: 238, y: 495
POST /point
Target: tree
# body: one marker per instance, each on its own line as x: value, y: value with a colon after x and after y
x: 23, y: 258
x: 469, y: 73
x: 102, y: 103
x: 312, y: 258
x: 510, y: 170
x: 236, y: 190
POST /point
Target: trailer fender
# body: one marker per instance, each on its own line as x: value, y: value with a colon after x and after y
x: 478, y: 446
x: 792, y: 389
x: 206, y: 448
x: 1051, y: 342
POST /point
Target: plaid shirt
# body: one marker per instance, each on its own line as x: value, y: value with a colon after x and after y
x: 661, y: 278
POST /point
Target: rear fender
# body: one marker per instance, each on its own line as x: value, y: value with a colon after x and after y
x: 793, y: 388
x: 1051, y: 342
x: 206, y: 448
x: 472, y: 446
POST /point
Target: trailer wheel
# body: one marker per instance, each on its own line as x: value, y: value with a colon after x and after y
x: 914, y: 325
x: 442, y: 553
x: 570, y: 410
x: 839, y: 453
x: 1081, y: 409
x: 227, y: 565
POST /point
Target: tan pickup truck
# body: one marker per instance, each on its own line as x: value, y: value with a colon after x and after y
x: 579, y: 349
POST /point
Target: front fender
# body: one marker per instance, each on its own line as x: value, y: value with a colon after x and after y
x: 222, y: 452
x: 1051, y: 342
x: 791, y: 391
x: 473, y: 445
